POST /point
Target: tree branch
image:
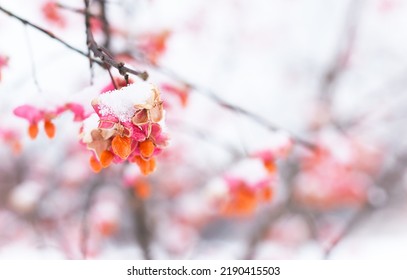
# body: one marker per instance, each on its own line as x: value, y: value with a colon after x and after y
x: 104, y: 55
x: 346, y: 42
x: 99, y: 53
x: 75, y: 10
x: 105, y: 23
x: 260, y: 231
x: 393, y: 177
x: 354, y: 221
x: 42, y: 30
x: 87, y: 27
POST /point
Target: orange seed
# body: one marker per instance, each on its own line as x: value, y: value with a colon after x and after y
x: 16, y: 147
x: 95, y: 164
x: 270, y: 166
x: 107, y: 228
x: 146, y: 166
x: 121, y: 146
x: 142, y: 189
x: 266, y: 194
x: 242, y: 202
x: 147, y: 148
x: 106, y: 158
x: 33, y: 130
x: 49, y: 128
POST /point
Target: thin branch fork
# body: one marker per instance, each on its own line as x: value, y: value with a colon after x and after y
x: 105, y: 57
x: 103, y: 54
x: 102, y: 17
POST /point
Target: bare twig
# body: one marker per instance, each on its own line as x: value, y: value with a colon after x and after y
x: 386, y: 180
x: 104, y: 55
x: 341, y: 57
x: 76, y: 10
x: 346, y: 43
x: 395, y: 85
x: 49, y: 34
x: 89, y: 54
x: 359, y: 216
x: 46, y: 32
x: 105, y: 59
x: 105, y: 23
x: 263, y: 226
x: 273, y: 214
x: 112, y: 78
x: 31, y: 55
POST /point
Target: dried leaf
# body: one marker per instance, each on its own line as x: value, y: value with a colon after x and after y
x: 99, y: 142
x: 156, y: 113
x: 140, y: 117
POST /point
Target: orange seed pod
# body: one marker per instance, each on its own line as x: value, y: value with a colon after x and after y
x: 121, y: 146
x: 49, y: 128
x: 95, y: 164
x: 33, y: 130
x: 270, y: 166
x: 141, y: 189
x: 106, y: 158
x: 146, y: 148
x: 146, y: 166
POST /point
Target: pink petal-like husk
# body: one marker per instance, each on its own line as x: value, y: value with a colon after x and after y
x: 28, y: 112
